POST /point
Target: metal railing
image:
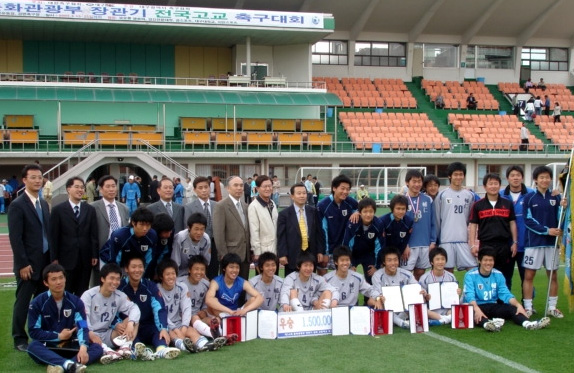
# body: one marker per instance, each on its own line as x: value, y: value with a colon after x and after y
x: 170, y: 148
x: 165, y: 159
x: 134, y: 80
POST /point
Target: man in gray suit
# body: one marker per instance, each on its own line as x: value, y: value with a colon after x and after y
x: 231, y: 225
x: 110, y: 215
x: 206, y: 207
x: 167, y: 206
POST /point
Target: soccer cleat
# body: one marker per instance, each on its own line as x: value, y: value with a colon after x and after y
x: 126, y: 352
x: 555, y: 313
x: 405, y: 324
x: 110, y: 356
x: 434, y: 323
x: 491, y: 326
x: 217, y: 343
x: 120, y: 340
x: 167, y: 353
x: 190, y: 346
x: 54, y: 369
x: 143, y: 353
x: 214, y: 326
x: 540, y: 324
x: 76, y: 368
x: 529, y: 313
x: 231, y: 339
x: 498, y: 322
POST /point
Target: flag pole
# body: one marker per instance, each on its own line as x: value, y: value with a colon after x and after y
x: 560, y: 221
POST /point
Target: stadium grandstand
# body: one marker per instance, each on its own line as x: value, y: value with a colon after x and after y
x: 231, y: 87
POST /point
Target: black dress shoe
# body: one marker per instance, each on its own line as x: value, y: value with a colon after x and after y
x: 23, y: 347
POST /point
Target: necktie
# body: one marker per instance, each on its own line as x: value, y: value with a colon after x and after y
x: 41, y: 216
x: 241, y: 213
x: 303, y: 227
x: 114, y: 222
x: 77, y: 212
x: 169, y: 209
x: 207, y: 215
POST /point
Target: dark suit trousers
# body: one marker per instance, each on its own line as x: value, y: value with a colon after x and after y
x: 213, y: 268
x: 244, y: 270
x: 25, y: 290
x: 78, y: 278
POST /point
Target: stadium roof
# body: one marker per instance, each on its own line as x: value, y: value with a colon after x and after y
x: 512, y: 22
x: 166, y: 95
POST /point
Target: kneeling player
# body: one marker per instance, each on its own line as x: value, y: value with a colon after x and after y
x: 55, y: 318
x: 268, y: 284
x: 206, y: 324
x: 484, y: 287
x: 348, y: 283
x: 152, y: 328
x: 391, y: 275
x: 104, y: 304
x: 304, y: 290
x: 438, y: 258
x: 176, y: 298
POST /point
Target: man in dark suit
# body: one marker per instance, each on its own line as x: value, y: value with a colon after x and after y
x: 231, y: 226
x: 74, y: 237
x: 29, y: 228
x: 167, y: 206
x: 153, y: 195
x: 291, y: 229
x: 206, y: 207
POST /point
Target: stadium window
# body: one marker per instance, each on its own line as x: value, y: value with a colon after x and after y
x: 330, y: 52
x: 440, y: 55
x: 545, y: 59
x: 489, y: 57
x: 380, y: 54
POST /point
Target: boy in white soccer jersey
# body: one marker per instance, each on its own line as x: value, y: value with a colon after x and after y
x: 191, y: 241
x: 437, y: 259
x: 348, y: 283
x: 304, y: 290
x: 176, y: 298
x: 197, y: 284
x: 452, y: 212
x: 391, y: 275
x: 268, y: 284
x: 423, y: 235
x: 103, y: 304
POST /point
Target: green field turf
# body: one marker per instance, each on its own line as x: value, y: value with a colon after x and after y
x: 513, y: 349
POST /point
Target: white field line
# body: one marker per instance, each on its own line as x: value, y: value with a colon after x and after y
x: 476, y: 350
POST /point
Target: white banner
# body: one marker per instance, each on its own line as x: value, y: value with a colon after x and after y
x: 304, y: 323
x: 159, y: 14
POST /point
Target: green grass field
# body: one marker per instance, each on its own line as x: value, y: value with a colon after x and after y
x: 443, y: 349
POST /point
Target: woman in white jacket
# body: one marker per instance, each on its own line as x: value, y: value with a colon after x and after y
x: 529, y: 109
x: 263, y: 219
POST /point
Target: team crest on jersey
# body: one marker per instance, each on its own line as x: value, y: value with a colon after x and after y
x: 425, y: 204
x: 402, y: 234
x: 371, y: 235
x: 202, y: 295
x: 493, y: 285
x: 143, y: 297
x: 67, y: 312
x: 113, y: 304
x: 176, y: 296
x: 449, y: 201
x: 96, y: 308
x: 351, y: 287
x: 552, y: 202
x: 163, y: 241
x: 466, y: 200
x: 144, y: 248
x: 311, y: 289
x: 277, y: 291
x: 344, y: 212
x: 480, y: 287
x: 186, y: 251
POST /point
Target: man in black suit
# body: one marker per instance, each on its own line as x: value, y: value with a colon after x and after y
x: 167, y: 206
x: 153, y: 195
x: 29, y: 228
x: 201, y: 189
x: 291, y: 230
x: 74, y: 237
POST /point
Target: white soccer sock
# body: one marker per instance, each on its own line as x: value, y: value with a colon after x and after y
x: 106, y: 348
x: 296, y: 304
x: 552, y: 301
x: 202, y: 328
x: 527, y: 304
x: 179, y: 344
x: 202, y: 341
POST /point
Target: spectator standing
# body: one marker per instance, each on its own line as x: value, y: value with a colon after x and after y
x: 529, y: 109
x: 276, y: 186
x: 524, y: 135
x: 538, y: 105
x: 547, y: 105
x: 91, y: 192
x: 131, y: 194
x: 318, y: 187
x: 153, y: 195
x: 47, y: 191
x: 557, y: 112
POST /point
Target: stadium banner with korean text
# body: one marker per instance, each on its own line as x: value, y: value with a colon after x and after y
x: 110, y: 12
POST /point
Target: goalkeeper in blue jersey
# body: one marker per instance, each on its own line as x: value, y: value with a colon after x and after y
x: 486, y: 291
